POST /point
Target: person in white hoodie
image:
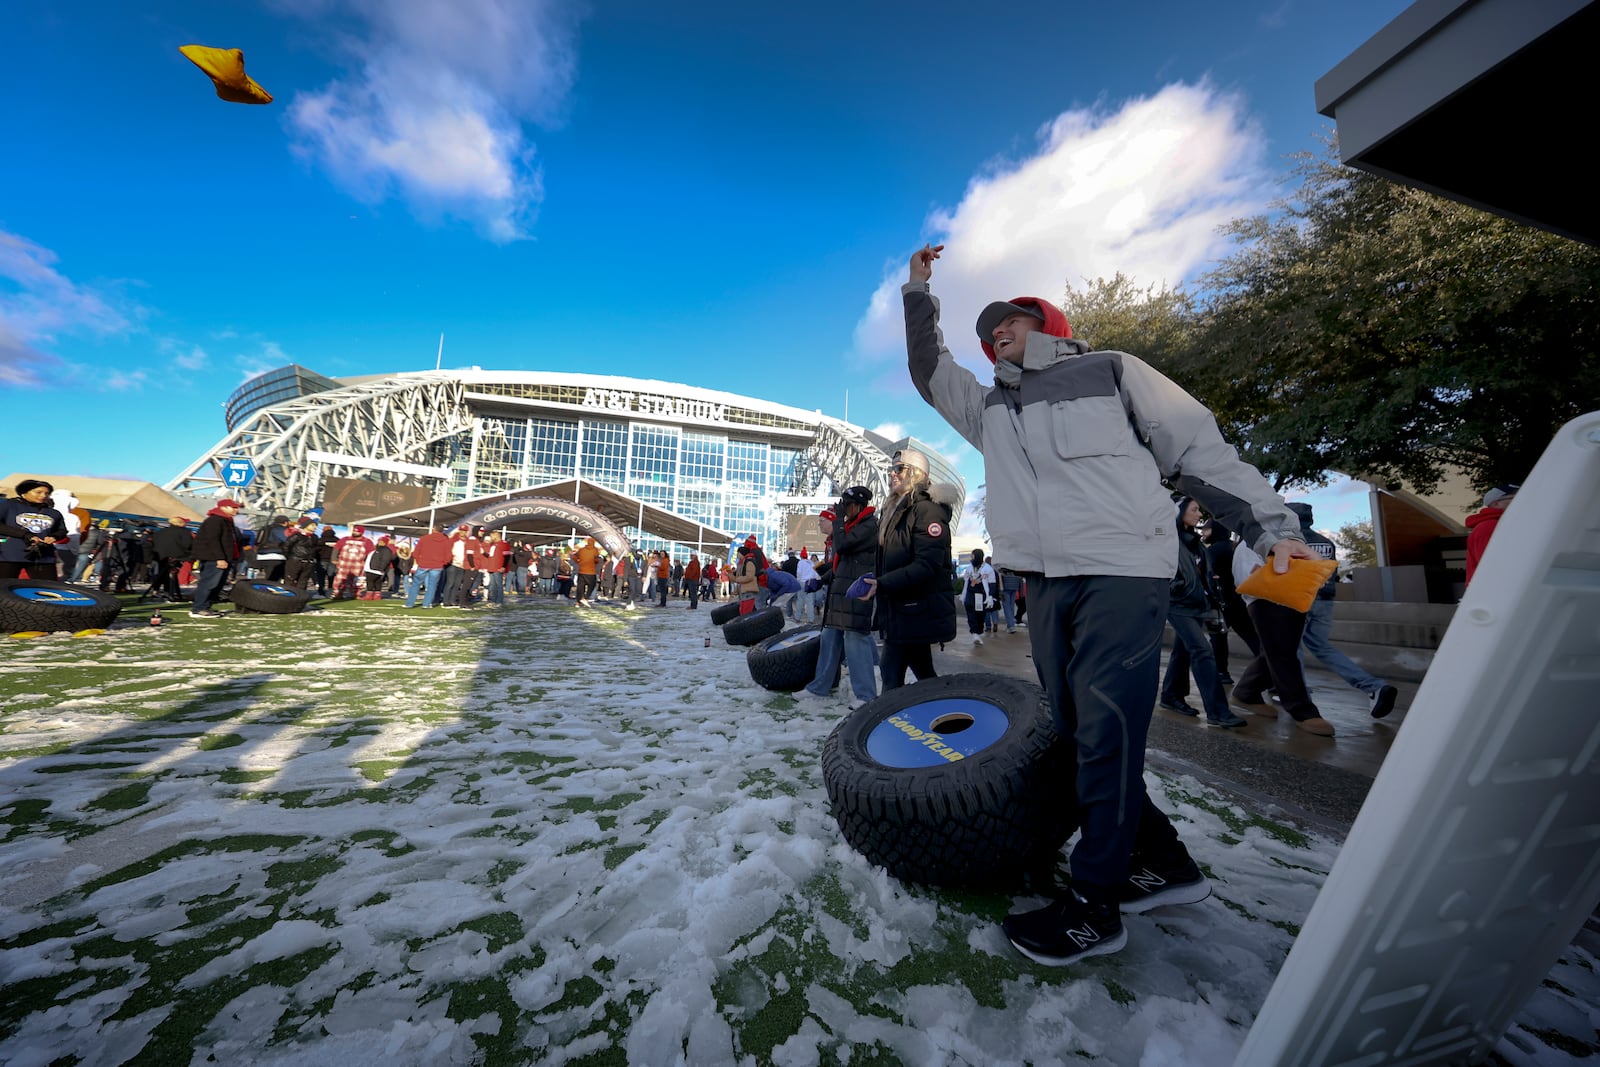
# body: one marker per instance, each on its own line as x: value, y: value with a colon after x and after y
x: 805, y: 571
x: 67, y: 504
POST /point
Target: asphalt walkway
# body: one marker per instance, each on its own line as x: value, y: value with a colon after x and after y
x: 1269, y: 762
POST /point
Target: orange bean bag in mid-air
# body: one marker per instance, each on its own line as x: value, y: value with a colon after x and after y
x: 225, y: 67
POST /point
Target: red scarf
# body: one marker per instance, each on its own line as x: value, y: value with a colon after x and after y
x: 827, y: 549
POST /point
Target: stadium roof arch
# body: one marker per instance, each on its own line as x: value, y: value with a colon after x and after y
x: 398, y: 421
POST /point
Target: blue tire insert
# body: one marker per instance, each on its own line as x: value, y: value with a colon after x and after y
x: 51, y: 595
x: 938, y: 732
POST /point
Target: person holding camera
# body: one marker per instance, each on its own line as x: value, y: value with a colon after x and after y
x: 31, y: 529
x: 1193, y: 605
x: 847, y: 621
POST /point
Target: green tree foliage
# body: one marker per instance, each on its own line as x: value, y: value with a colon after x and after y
x: 1385, y: 332
x: 1360, y: 547
x: 1155, y: 323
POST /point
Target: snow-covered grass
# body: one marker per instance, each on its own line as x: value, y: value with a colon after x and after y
x: 544, y: 834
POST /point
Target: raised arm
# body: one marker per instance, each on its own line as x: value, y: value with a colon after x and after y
x: 950, y: 388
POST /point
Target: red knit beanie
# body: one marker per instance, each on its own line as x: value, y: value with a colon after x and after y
x: 1055, y: 323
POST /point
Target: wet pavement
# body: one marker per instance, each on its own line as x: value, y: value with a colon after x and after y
x: 1270, y: 762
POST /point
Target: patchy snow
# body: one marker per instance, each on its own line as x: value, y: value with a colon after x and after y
x: 534, y: 835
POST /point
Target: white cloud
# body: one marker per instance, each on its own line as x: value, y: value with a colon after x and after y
x: 39, y: 305
x: 1142, y: 189
x: 433, y: 106
x: 124, y: 381
x: 969, y: 524
x: 891, y: 430
x: 1343, y: 500
x: 268, y: 355
x: 183, y: 355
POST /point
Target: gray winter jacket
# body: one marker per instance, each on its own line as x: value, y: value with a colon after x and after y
x: 1075, y: 455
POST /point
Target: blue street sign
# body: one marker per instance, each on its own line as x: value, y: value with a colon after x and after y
x: 238, y: 473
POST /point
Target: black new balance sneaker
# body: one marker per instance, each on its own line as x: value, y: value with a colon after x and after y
x: 1154, y: 885
x: 1069, y: 930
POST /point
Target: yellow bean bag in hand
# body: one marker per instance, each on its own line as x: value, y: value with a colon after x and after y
x: 225, y: 67
x: 1297, y: 588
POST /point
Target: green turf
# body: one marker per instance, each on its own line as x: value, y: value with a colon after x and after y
x: 337, y: 729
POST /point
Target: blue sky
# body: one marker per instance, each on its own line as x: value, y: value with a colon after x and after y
x: 724, y: 195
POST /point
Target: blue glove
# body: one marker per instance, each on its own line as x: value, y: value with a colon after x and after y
x: 812, y: 585
x: 858, y: 588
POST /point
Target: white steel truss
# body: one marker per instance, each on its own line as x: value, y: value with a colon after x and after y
x: 396, y: 417
x: 401, y: 417
x: 841, y: 453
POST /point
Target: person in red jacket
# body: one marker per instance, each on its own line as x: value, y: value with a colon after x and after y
x: 663, y: 577
x: 430, y: 557
x: 691, y: 580
x: 350, y: 558
x: 1480, y: 527
x: 492, y: 557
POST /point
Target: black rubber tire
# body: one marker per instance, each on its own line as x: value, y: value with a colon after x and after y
x: 757, y: 626
x: 27, y: 604
x: 268, y: 598
x: 785, y: 661
x: 986, y: 820
x: 724, y: 613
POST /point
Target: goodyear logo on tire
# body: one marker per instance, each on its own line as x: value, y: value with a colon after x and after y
x: 66, y: 597
x: 927, y: 738
x: 275, y: 590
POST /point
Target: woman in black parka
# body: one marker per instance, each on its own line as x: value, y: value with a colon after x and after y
x: 912, y: 584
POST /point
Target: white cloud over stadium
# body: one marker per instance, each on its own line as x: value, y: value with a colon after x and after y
x: 1140, y: 188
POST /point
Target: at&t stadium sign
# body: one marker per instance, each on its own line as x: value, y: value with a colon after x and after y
x: 650, y: 404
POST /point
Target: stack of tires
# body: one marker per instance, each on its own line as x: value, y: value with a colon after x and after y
x: 954, y: 781
x: 786, y: 661
x: 268, y: 598
x: 744, y: 630
x: 29, y: 605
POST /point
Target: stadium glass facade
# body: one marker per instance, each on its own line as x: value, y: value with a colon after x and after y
x: 738, y: 464
x: 726, y: 480
x: 274, y: 387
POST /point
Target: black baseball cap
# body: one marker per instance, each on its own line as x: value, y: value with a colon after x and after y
x: 856, y: 494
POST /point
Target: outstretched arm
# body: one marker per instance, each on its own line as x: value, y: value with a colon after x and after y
x: 943, y: 383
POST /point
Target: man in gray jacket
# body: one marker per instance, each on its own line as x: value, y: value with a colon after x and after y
x: 1076, y: 445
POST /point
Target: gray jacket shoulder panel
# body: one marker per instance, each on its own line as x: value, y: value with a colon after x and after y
x: 1074, y: 470
x: 1094, y: 374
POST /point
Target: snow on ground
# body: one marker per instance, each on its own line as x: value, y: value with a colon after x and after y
x: 543, y: 834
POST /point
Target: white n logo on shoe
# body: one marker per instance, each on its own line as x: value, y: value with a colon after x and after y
x: 1147, y: 880
x: 1084, y: 936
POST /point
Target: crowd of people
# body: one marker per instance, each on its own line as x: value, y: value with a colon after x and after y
x: 44, y: 534
x: 466, y: 565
